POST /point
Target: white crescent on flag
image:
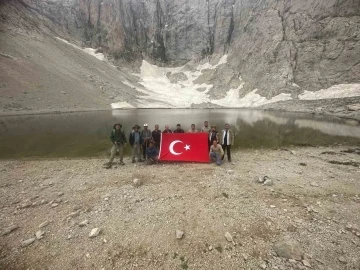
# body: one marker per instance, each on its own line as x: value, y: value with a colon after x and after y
x: 171, y: 148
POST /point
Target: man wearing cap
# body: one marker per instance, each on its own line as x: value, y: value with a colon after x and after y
x: 179, y: 129
x: 118, y: 140
x: 146, y: 137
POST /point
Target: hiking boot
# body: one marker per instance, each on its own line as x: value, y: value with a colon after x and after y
x: 121, y: 162
x: 133, y: 161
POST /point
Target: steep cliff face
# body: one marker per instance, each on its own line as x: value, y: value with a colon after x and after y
x: 280, y: 45
x: 275, y: 46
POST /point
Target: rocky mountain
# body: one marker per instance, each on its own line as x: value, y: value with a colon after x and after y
x: 274, y: 46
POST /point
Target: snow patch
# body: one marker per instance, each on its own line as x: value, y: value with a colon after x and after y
x: 223, y: 60
x: 251, y: 99
x: 90, y: 51
x: 121, y: 105
x: 335, y: 91
x: 162, y: 93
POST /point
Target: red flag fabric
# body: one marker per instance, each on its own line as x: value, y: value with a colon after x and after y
x: 184, y: 147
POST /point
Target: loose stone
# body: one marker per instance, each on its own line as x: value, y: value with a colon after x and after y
x: 10, y: 229
x: 73, y: 214
x: 342, y: 259
x: 179, y: 234
x: 44, y: 224
x: 263, y: 266
x: 94, y: 232
x: 229, y: 237
x: 137, y: 182
x: 39, y: 234
x: 27, y: 242
x: 306, y: 263
x: 288, y: 248
x: 83, y: 223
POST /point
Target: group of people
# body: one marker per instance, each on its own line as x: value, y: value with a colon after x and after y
x: 146, y: 143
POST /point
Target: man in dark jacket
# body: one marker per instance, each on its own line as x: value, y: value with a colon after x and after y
x: 213, y: 136
x: 118, y: 140
x: 152, y: 154
x: 156, y: 136
x: 135, y: 141
x: 179, y: 129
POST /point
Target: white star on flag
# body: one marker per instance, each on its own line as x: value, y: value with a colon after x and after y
x: 187, y: 147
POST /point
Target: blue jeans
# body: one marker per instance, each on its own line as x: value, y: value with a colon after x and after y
x: 216, y: 157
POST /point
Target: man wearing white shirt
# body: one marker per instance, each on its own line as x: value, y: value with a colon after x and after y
x: 226, y: 140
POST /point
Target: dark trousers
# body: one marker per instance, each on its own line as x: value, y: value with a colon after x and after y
x: 157, y: 145
x: 228, y: 151
x: 144, y: 147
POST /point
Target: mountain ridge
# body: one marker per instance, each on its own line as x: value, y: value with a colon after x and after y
x: 273, y: 47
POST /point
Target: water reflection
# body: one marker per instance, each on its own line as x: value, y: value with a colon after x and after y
x: 87, y: 134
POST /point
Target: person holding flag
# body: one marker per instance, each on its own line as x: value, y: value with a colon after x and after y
x: 205, y: 128
x: 179, y: 129
x: 156, y: 136
x: 152, y: 154
x: 192, y: 130
x: 216, y: 153
x: 167, y: 129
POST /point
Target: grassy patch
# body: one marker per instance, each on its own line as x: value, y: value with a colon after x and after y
x: 219, y: 248
x: 184, y: 263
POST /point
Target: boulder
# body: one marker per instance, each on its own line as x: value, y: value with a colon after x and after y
x: 289, y: 248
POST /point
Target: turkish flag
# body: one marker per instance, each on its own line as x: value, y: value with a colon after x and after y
x: 184, y: 147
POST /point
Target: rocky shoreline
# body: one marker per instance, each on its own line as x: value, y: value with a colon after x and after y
x: 347, y: 108
x: 269, y: 209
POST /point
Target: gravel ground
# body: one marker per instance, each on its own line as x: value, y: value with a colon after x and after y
x: 305, y: 216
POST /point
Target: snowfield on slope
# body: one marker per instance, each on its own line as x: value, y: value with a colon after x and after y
x: 335, y: 91
x: 159, y: 92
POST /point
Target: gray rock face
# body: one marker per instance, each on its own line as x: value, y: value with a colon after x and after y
x: 275, y: 46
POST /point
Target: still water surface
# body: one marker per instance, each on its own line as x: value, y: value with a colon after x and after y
x: 87, y: 133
